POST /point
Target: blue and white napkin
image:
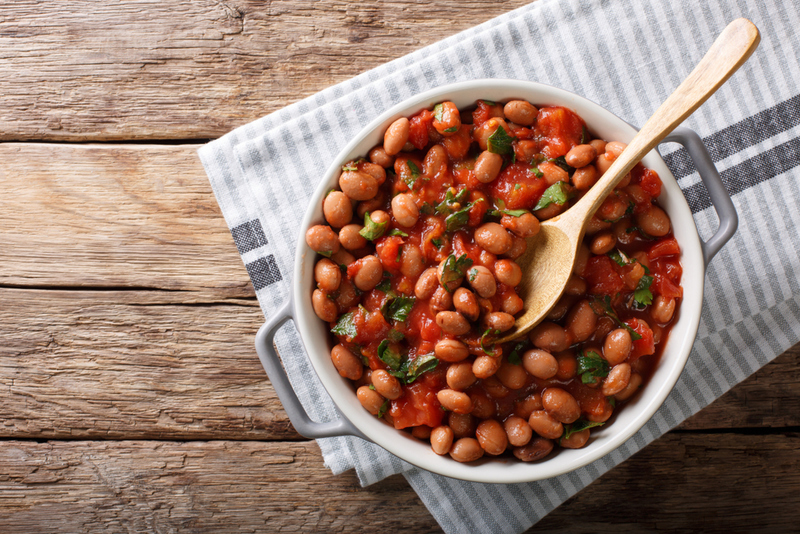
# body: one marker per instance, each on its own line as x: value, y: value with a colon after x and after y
x: 628, y: 57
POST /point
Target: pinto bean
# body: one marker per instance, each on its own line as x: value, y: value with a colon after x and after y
x: 482, y: 281
x: 337, y: 208
x: 441, y: 300
x: 412, y: 261
x: 322, y: 240
x: 633, y: 386
x: 435, y: 161
x: 518, y: 431
x: 581, y: 321
x: 599, y: 145
x: 482, y: 405
x: 405, y: 210
x: 561, y: 405
x: 466, y: 304
x: 567, y: 365
x: 654, y: 221
x: 466, y: 450
x: 482, y: 133
x: 549, y: 336
x: 447, y: 118
x: 525, y: 407
x: 451, y: 350
x: 512, y: 303
x: 617, y: 346
x: 358, y: 185
x: 328, y: 275
x: 520, y: 112
x: 370, y: 399
x: 347, y: 363
x: 518, y: 248
x: 580, y: 156
x: 455, y: 401
x: 350, y: 238
x: 603, y: 242
x: 535, y: 450
x: 576, y: 286
x: 602, y: 164
x: 576, y: 440
x: 378, y: 156
x: 614, y: 149
x: 376, y: 171
x: 663, y: 309
x: 540, y: 363
x: 452, y: 322
x: 369, y: 274
x: 493, y: 238
x: 494, y: 387
x: 347, y: 296
x: 463, y: 425
x: 512, y: 376
x: 491, y: 437
x: 553, y: 173
x: 324, y: 307
x: 441, y: 439
x: 584, y: 178
x: 386, y: 384
x: 499, y: 321
x: 508, y: 272
x: 545, y: 425
x: 485, y: 366
x: 396, y: 136
x: 488, y: 166
x: 526, y: 225
x: 617, y: 379
x: 460, y: 376
x: 426, y: 284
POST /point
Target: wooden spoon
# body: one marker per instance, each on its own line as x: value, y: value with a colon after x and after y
x: 549, y: 261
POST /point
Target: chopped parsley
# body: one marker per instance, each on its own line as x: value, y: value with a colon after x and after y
x: 415, y: 174
x: 397, y: 231
x: 386, y: 287
x: 607, y: 309
x: 438, y: 109
x: 488, y: 332
x: 454, y: 269
x: 578, y: 426
x: 591, y: 367
x: 399, y: 307
x: 561, y: 161
x: 372, y: 230
x: 389, y: 356
x: 437, y: 243
x: 584, y: 135
x: 517, y: 187
x: 346, y: 326
x: 642, y: 295
x: 499, y: 142
x: 350, y: 167
x: 451, y: 202
x: 421, y: 364
x: 383, y: 408
x: 515, y: 357
x: 459, y: 219
x: 536, y: 172
x: 501, y: 210
x: 558, y: 193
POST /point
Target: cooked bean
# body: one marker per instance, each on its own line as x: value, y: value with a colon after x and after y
x: 337, y: 208
x: 486, y: 258
x: 370, y: 399
x: 499, y: 321
x: 482, y: 281
x: 602, y: 163
x: 626, y: 180
x: 580, y: 156
x: 654, y: 221
x: 421, y: 432
x: 576, y: 286
x: 485, y: 305
x: 526, y: 225
x: 576, y: 440
x: 540, y: 363
x: 488, y: 166
x: 369, y: 274
x: 347, y: 296
x: 518, y: 431
x: 378, y: 156
x: 358, y: 185
x: 482, y: 406
x: 491, y: 437
x: 559, y: 311
x: 426, y: 284
x: 545, y: 425
x: 435, y: 161
x: 322, y: 240
x: 447, y: 118
x: 617, y: 379
x: 405, y: 211
x: 485, y: 366
x: 466, y: 450
x: 603, y: 242
x: 379, y: 217
x: 535, y: 450
x: 561, y: 405
x: 663, y: 309
x: 518, y: 248
x: 511, y: 376
x: 612, y: 209
x: 614, y: 149
x: 526, y: 149
x: 520, y: 112
x: 599, y: 145
x: 466, y: 304
x: 580, y: 259
x: 385, y: 384
x: 567, y: 365
x: 617, y: 346
x: 452, y: 283
x: 455, y: 401
x: 553, y: 173
x: 324, y: 307
x: 462, y: 424
x: 460, y: 376
x: 494, y: 387
x: 412, y: 261
x: 512, y: 303
x: 581, y: 321
x: 633, y: 386
x: 451, y: 350
x: 396, y: 136
x: 376, y: 171
x: 525, y: 407
x: 584, y: 178
x: 493, y: 238
x: 441, y: 300
x: 482, y: 133
x: 347, y: 363
x: 441, y: 439
x: 366, y: 378
x: 350, y: 238
x: 328, y: 275
x: 378, y: 202
x: 549, y: 336
x: 452, y: 322
x: 550, y: 211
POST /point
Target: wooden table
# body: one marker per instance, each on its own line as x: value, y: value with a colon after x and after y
x: 132, y: 396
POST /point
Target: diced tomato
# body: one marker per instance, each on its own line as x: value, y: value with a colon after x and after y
x: 650, y: 183
x: 665, y: 247
x: 418, y: 130
x: 644, y: 346
x: 560, y: 128
x: 601, y: 276
x: 665, y: 287
x: 518, y: 187
x: 417, y: 406
x: 374, y: 300
x: 591, y: 400
x: 421, y: 323
x: 484, y: 112
x: 370, y: 327
x: 669, y: 267
x: 480, y: 205
x: 463, y: 245
x: 388, y: 250
x: 457, y: 145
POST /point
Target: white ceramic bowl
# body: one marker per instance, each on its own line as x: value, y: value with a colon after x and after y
x: 629, y: 420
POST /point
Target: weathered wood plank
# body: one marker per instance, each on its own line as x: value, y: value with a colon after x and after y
x: 77, y: 364
x: 683, y: 483
x: 145, y: 69
x: 113, y: 216
x: 181, y: 365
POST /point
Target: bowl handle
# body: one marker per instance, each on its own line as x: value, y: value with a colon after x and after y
x: 280, y: 381
x: 720, y: 199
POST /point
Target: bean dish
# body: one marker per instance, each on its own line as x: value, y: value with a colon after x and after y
x: 417, y: 279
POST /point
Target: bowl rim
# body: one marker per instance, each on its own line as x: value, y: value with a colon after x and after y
x: 492, y: 470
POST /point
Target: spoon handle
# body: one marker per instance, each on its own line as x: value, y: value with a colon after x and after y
x: 731, y: 49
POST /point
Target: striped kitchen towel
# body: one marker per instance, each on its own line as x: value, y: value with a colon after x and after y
x: 628, y: 58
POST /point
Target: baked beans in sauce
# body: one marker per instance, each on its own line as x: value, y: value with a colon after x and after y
x: 417, y: 278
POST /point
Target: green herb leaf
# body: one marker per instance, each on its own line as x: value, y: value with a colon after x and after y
x: 394, y: 335
x: 372, y: 387
x: 346, y: 326
x: 488, y: 102
x: 584, y: 135
x: 421, y: 364
x: 437, y: 243
x: 438, y: 109
x: 489, y: 332
x: 386, y: 287
x: 517, y: 187
x: 399, y: 308
x: 388, y: 356
x: 591, y: 366
x: 349, y: 168
x: 372, y: 230
x: 452, y: 129
x: 383, y: 408
x: 448, y: 205
x: 561, y: 161
x: 578, y: 426
x: 558, y: 193
x: 459, y: 219
x: 499, y: 142
x: 536, y: 172
x: 415, y: 174
x: 326, y: 253
x: 642, y: 294
x: 605, y: 307
x: 426, y: 209
x: 515, y: 357
x: 454, y: 269
x: 397, y: 231
x: 612, y: 401
x: 619, y: 257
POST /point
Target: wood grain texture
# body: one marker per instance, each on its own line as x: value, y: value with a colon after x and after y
x: 195, y: 69
x: 138, y: 216
x: 681, y: 483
